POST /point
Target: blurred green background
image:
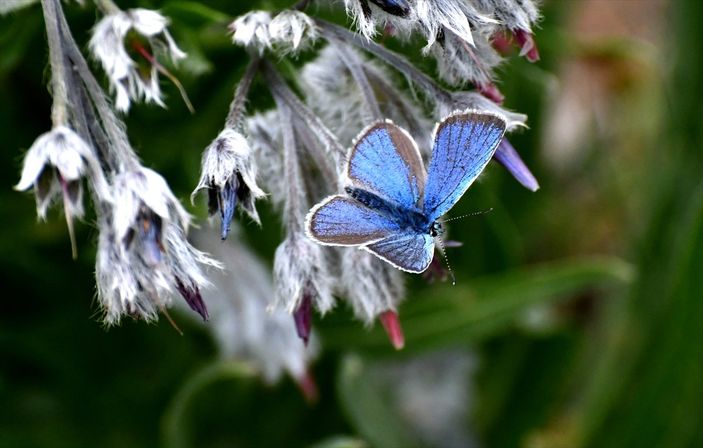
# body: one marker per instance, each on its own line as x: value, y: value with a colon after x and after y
x: 579, y: 307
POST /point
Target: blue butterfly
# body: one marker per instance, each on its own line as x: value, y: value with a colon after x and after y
x: 392, y: 206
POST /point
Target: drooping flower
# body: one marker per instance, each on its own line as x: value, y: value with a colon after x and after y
x: 242, y: 324
x: 229, y: 175
x: 292, y: 30
x: 333, y: 93
x: 287, y: 32
x: 458, y: 33
x: 142, y: 32
x: 374, y: 289
x: 54, y: 166
x: 252, y: 30
x: 300, y: 274
x: 431, y: 394
x: 144, y: 258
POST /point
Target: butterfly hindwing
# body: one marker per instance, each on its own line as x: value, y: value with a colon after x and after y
x: 385, y: 160
x: 410, y: 252
x: 463, y: 145
x: 343, y: 221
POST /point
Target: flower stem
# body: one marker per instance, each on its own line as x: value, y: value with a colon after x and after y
x: 351, y: 60
x: 57, y: 58
x: 121, y: 156
x: 332, y: 31
x: 294, y: 213
x: 236, y: 108
x: 107, y: 6
x: 173, y: 424
x: 279, y: 87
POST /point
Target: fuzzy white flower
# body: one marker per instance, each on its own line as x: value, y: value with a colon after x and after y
x: 135, y: 191
x: 431, y: 394
x: 512, y: 14
x: 300, y: 273
x: 438, y: 17
x: 371, y: 286
x: 228, y: 174
x: 264, y: 133
x: 332, y: 92
x: 55, y: 164
x: 143, y: 256
x: 291, y: 30
x: 459, y: 33
x: 241, y: 324
x: 252, y: 30
x: 108, y: 46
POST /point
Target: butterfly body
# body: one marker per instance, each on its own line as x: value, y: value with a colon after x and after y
x: 407, y: 219
x: 392, y: 207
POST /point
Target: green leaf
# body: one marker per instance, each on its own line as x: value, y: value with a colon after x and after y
x: 444, y: 315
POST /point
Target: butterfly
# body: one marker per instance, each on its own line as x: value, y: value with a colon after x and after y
x: 392, y: 206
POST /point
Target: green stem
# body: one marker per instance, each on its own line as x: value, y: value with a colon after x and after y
x: 173, y: 425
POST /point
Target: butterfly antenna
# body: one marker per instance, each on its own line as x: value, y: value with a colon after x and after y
x: 446, y: 259
x: 470, y: 214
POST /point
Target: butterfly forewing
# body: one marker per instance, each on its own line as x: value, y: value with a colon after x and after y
x: 410, y: 252
x: 342, y: 221
x: 463, y: 145
x: 385, y: 160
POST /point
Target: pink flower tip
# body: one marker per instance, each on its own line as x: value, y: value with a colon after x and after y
x: 490, y: 91
x: 391, y: 323
x: 528, y: 46
x: 502, y: 42
x: 308, y: 387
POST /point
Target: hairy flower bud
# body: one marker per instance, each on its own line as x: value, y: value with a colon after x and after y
x: 228, y: 173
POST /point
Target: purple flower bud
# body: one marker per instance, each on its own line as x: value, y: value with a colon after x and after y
x: 303, y: 316
x: 510, y: 159
x: 148, y: 226
x: 192, y: 297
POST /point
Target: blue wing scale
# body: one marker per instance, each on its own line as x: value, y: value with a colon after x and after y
x: 464, y: 144
x: 410, y: 252
x: 342, y: 221
x: 385, y: 160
